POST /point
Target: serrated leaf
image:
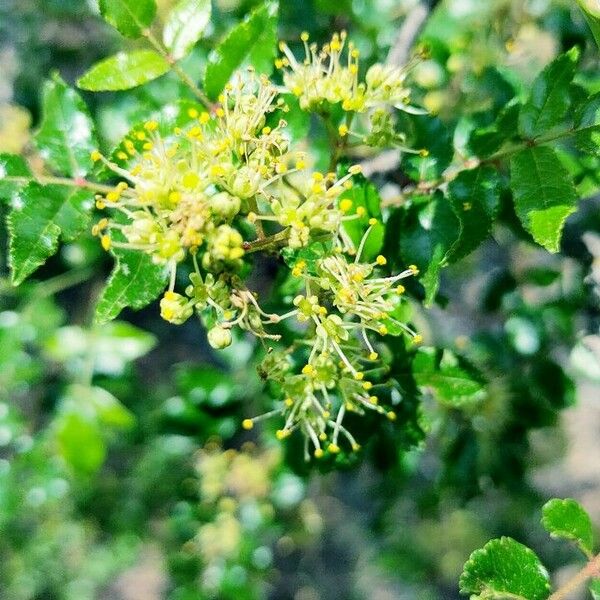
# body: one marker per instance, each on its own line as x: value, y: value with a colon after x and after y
x: 550, y: 96
x: 449, y: 379
x: 475, y: 196
x: 185, y: 24
x: 544, y: 194
x: 39, y: 216
x: 134, y: 282
x: 568, y: 519
x: 253, y: 40
x: 124, y: 71
x: 505, y: 569
x: 14, y: 174
x: 587, y: 122
x: 426, y: 233
x: 66, y: 135
x: 129, y: 17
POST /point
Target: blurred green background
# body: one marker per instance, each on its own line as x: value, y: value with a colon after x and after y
x: 159, y: 495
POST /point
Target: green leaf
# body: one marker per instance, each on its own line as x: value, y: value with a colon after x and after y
x: 485, y: 141
x: 595, y: 584
x: 39, y: 216
x: 80, y: 442
x: 66, y: 135
x: 185, y: 24
x: 205, y: 385
x: 254, y: 39
x: 475, y: 196
x: 549, y: 101
x: 135, y: 282
x: 544, y: 194
x: 365, y: 195
x: 426, y: 233
x: 450, y: 380
x: 504, y: 568
x: 591, y: 11
x: 129, y: 17
x: 12, y: 166
x: 124, y: 71
x: 587, y: 120
x: 568, y: 519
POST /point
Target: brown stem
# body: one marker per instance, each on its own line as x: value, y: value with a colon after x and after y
x: 47, y: 180
x: 266, y: 243
x: 185, y: 78
x: 592, y: 569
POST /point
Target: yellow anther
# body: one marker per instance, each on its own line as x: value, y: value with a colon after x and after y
x: 175, y: 197
x: 414, y: 269
x: 367, y: 385
x: 381, y: 260
x: 423, y: 153
x: 417, y: 339
x: 467, y: 206
x: 100, y: 205
x: 333, y: 448
x: 372, y: 221
x: 319, y: 453
x: 308, y: 369
x: 326, y: 414
x: 383, y: 330
x: 355, y: 447
x: 304, y: 36
x: 103, y: 223
x: 190, y: 180
x: 373, y: 356
x: 300, y: 164
x: 204, y: 118
x: 150, y: 125
x: 278, y: 63
x: 288, y: 402
x: 359, y: 376
x: 140, y: 135
x: 266, y: 130
x: 96, y: 155
x: 400, y: 290
x: 113, y: 196
x: 361, y: 211
x: 247, y: 423
x: 343, y: 130
x: 345, y: 205
x: 391, y: 415
x: 322, y: 436
x: 252, y: 216
x: 220, y: 113
x: 105, y: 242
x: 192, y: 113
x: 281, y: 434
x: 355, y: 169
x: 148, y: 146
x: 122, y: 155
x: 195, y: 132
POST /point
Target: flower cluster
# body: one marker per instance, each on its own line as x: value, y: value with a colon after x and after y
x: 326, y: 76
x: 194, y: 192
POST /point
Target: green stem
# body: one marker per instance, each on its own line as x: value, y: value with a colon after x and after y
x: 539, y: 141
x: 47, y: 180
x: 185, y: 78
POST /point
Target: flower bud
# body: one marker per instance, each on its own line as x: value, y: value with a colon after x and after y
x: 219, y: 337
x: 225, y: 205
x: 175, y: 308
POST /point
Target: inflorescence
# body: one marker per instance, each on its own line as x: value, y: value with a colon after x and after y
x: 193, y: 193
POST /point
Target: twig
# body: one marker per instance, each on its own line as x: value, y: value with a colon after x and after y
x: 592, y: 569
x: 407, y: 34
